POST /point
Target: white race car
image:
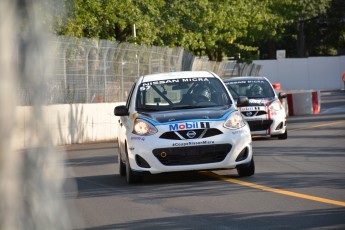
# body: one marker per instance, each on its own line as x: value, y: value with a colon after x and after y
x: 182, y: 121
x: 264, y: 113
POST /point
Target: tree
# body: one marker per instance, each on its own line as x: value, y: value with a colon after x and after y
x: 234, y: 28
x: 113, y: 20
x: 331, y: 28
x: 219, y: 27
x: 297, y: 14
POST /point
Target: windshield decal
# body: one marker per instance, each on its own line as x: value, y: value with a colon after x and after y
x: 244, y: 82
x: 146, y: 85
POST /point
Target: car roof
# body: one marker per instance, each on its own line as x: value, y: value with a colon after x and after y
x: 178, y: 75
x: 245, y: 78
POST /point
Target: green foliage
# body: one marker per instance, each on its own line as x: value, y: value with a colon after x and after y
x: 216, y: 28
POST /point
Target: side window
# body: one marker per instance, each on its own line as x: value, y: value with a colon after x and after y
x: 128, y: 102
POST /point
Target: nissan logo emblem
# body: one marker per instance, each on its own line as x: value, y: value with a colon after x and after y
x: 191, y: 134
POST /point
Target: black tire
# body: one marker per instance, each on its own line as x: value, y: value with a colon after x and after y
x: 131, y: 177
x: 283, y: 136
x: 249, y: 170
x: 122, y: 167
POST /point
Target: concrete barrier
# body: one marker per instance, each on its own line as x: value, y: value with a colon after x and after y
x: 67, y: 124
x: 300, y: 102
x: 303, y: 102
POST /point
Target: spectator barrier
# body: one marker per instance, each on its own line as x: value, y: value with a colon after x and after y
x: 303, y: 102
x: 300, y: 102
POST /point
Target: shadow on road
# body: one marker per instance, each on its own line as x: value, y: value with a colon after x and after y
x: 322, y: 218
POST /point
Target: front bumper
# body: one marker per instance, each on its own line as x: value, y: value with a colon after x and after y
x: 268, y: 123
x: 223, y: 151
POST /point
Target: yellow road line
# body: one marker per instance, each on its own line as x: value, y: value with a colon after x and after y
x: 279, y: 191
x: 316, y: 126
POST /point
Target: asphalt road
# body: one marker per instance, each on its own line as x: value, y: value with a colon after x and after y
x: 299, y: 184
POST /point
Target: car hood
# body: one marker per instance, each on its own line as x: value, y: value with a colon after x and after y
x: 188, y: 114
x: 260, y: 101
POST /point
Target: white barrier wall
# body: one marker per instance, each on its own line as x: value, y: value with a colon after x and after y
x: 314, y: 73
x: 68, y: 124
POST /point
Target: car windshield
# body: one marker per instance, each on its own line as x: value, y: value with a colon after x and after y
x: 182, y: 93
x: 250, y: 88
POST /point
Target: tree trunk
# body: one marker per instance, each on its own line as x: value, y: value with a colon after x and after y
x: 300, y: 40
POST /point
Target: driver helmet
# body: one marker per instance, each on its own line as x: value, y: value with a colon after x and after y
x: 203, y: 90
x: 258, y: 91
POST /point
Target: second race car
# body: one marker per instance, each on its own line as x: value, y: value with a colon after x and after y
x: 264, y: 113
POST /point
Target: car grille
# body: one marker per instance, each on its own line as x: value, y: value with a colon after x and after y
x: 182, y: 135
x: 192, y: 154
x: 260, y: 125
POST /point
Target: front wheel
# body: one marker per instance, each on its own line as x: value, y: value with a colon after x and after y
x: 248, y: 170
x: 131, y: 177
x: 283, y: 136
x: 122, y: 167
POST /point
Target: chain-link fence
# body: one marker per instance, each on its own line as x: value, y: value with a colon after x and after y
x: 227, y: 69
x: 91, y: 70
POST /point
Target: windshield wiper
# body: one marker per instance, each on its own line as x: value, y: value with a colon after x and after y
x: 183, y: 107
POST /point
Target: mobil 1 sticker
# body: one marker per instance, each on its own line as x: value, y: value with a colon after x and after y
x: 189, y: 125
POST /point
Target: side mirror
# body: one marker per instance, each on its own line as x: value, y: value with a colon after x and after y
x: 242, y: 101
x: 282, y: 95
x: 121, y: 110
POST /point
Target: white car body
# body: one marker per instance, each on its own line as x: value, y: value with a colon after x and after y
x: 180, y: 139
x: 264, y: 113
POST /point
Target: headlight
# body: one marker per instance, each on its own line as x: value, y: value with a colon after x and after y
x: 143, y: 128
x: 234, y: 121
x: 276, y: 106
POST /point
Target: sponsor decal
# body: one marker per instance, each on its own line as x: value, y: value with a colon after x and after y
x: 169, y: 81
x: 237, y: 132
x: 146, y: 85
x: 244, y: 82
x: 189, y: 125
x: 204, y: 125
x: 257, y: 101
x: 190, y: 143
x: 194, y: 79
x: 138, y: 138
x: 256, y: 81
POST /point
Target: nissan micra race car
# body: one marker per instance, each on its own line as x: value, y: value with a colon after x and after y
x: 264, y: 113
x: 181, y: 121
